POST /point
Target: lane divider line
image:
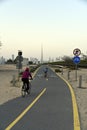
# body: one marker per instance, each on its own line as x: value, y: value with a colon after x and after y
x: 35, y: 72
x: 75, y: 107
x: 26, y: 110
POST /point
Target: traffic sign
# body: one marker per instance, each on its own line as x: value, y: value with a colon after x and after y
x: 76, y: 52
x: 19, y: 58
x: 76, y: 59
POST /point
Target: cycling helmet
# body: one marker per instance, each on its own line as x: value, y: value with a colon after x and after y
x: 27, y: 69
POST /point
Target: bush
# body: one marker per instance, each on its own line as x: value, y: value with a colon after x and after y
x: 57, y: 70
x: 33, y: 68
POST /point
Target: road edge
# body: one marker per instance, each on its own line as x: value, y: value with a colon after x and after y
x: 74, y: 103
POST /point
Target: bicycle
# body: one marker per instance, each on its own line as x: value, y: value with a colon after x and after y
x: 45, y: 72
x: 24, y: 90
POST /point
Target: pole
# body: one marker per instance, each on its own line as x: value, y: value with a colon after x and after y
x: 13, y: 80
x: 80, y: 81
x: 68, y: 74
x: 76, y: 72
x: 62, y: 71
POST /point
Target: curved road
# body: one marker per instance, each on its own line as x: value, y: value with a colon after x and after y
x: 50, y: 106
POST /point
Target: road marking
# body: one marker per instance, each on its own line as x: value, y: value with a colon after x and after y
x: 26, y: 110
x: 75, y: 108
x: 36, y: 71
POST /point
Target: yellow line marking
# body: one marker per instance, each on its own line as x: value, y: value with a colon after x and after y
x: 36, y: 71
x: 74, y: 103
x: 25, y: 111
x: 75, y: 108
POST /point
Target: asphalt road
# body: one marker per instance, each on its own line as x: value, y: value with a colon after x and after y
x: 48, y: 107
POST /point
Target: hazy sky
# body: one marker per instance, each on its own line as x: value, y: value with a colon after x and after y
x: 59, y: 25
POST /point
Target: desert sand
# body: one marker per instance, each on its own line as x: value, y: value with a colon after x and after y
x: 78, y: 80
x: 9, y: 91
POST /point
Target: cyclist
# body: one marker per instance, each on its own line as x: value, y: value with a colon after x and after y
x: 45, y: 72
x: 25, y: 78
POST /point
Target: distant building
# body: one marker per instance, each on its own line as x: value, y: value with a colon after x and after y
x: 51, y: 59
x: 41, y: 54
x: 34, y: 60
x: 2, y: 60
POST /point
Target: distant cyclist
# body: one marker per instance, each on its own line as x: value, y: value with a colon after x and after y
x: 25, y: 77
x: 45, y: 72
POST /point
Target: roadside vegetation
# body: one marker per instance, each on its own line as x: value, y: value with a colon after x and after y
x: 68, y: 63
x: 65, y: 62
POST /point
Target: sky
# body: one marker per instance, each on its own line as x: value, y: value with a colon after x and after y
x: 59, y: 26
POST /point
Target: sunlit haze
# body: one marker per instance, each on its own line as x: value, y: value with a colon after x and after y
x: 59, y: 26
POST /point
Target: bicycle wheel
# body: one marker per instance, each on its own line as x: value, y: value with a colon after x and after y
x: 23, y: 90
x: 29, y: 90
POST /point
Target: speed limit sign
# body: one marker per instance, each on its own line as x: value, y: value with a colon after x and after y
x: 76, y: 52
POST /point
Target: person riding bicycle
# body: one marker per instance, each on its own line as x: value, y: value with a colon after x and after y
x: 25, y: 77
x: 45, y: 72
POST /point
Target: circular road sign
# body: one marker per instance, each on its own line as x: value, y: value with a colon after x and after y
x: 76, y: 52
x: 76, y: 59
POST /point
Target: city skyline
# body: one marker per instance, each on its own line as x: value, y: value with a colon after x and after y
x: 60, y: 26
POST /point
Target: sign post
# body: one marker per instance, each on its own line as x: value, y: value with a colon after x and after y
x: 76, y: 59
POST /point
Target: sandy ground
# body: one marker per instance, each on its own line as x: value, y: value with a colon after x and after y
x: 8, y: 91
x: 78, y: 81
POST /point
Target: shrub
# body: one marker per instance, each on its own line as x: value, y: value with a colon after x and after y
x: 57, y: 70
